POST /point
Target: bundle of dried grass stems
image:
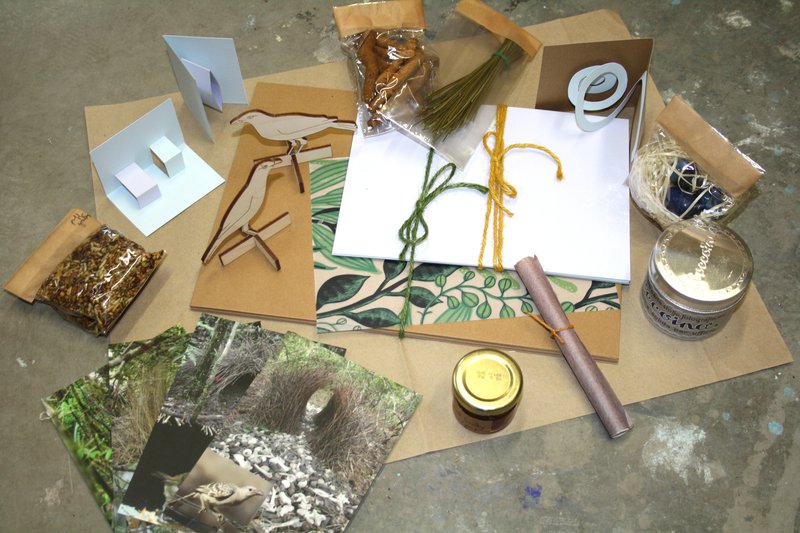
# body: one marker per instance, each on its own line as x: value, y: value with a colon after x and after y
x: 451, y: 107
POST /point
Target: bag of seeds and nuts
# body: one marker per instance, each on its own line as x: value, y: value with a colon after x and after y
x: 385, y: 44
x: 87, y: 271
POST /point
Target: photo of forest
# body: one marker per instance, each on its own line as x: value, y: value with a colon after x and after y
x: 231, y: 428
x: 110, y: 402
x: 319, y: 427
x: 220, y: 361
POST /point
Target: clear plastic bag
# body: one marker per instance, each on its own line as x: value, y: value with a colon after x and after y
x: 98, y: 280
x: 669, y: 186
x: 688, y: 169
x: 385, y: 63
x: 482, y: 56
x: 385, y: 42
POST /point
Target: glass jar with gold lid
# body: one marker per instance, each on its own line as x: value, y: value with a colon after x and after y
x: 487, y: 388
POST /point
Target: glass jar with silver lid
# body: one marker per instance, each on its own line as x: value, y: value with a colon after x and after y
x: 698, y: 273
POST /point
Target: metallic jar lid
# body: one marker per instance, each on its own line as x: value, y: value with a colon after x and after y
x: 487, y: 383
x: 701, y: 265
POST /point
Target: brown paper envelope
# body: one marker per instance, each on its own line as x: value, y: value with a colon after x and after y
x: 560, y: 63
x: 71, y: 230
x: 651, y: 363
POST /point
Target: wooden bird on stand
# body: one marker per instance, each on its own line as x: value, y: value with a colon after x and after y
x: 294, y: 128
x: 244, y: 208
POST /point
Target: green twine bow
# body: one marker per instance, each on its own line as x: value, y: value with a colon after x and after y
x: 408, y: 231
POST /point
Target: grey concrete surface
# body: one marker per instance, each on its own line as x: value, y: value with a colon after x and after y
x: 724, y: 457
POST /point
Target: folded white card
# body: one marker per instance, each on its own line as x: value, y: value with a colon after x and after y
x: 578, y: 227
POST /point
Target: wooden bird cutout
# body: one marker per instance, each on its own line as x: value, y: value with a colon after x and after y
x: 244, y: 208
x: 294, y: 128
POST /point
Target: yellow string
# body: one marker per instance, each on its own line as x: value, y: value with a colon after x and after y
x: 554, y: 332
x: 499, y: 188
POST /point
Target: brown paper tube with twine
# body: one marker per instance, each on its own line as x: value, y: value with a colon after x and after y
x: 591, y: 379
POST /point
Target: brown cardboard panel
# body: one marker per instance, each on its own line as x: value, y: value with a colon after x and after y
x: 651, y: 364
x: 560, y: 63
x: 251, y: 286
x: 289, y: 293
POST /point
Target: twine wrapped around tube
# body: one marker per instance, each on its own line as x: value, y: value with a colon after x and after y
x: 602, y: 397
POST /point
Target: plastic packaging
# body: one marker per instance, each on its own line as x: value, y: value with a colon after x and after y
x: 669, y: 186
x: 98, y: 280
x: 481, y: 56
x: 385, y: 42
x: 689, y: 170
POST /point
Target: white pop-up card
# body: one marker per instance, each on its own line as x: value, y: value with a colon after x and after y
x: 149, y: 172
x: 577, y: 226
x: 207, y: 72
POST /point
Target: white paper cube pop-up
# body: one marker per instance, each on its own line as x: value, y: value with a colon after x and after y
x: 139, y: 184
x: 167, y: 156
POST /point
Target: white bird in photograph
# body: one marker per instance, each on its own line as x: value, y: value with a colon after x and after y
x: 244, y: 207
x: 218, y: 496
x: 294, y: 128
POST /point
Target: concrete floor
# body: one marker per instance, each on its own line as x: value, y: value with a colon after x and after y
x: 721, y: 457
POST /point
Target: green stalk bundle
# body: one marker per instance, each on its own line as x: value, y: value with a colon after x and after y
x: 451, y: 107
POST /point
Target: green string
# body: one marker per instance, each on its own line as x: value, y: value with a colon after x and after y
x: 504, y: 57
x: 409, y: 229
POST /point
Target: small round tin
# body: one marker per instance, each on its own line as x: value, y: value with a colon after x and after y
x: 698, y: 273
x: 487, y: 387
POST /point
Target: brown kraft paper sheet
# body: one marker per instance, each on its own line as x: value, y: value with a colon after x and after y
x: 651, y: 363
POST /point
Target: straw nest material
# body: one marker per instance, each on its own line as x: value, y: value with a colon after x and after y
x: 663, y: 171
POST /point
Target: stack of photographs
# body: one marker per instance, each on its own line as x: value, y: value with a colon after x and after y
x: 233, y: 428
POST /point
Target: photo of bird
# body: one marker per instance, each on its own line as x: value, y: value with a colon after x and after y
x: 218, y: 496
x: 294, y: 128
x: 244, y: 207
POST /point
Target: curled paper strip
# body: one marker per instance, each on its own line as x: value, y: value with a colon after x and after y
x: 599, y: 79
x: 591, y: 379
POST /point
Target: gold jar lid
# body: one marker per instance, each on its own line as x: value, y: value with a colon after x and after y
x: 487, y: 382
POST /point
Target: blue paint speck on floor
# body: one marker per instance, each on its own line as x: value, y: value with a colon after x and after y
x: 676, y: 2
x: 789, y: 189
x: 789, y: 392
x: 726, y: 416
x: 533, y: 496
x: 776, y: 428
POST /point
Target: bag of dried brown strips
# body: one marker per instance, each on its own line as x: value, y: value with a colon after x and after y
x: 94, y: 284
x: 385, y: 44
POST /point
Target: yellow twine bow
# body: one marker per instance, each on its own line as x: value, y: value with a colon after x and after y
x: 499, y: 188
x: 554, y: 332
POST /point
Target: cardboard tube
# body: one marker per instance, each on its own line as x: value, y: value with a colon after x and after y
x: 591, y: 379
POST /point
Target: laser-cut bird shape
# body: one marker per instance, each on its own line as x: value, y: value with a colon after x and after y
x: 215, y: 497
x: 244, y: 208
x: 294, y: 128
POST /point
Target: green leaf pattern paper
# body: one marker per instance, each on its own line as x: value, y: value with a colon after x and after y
x: 357, y: 293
